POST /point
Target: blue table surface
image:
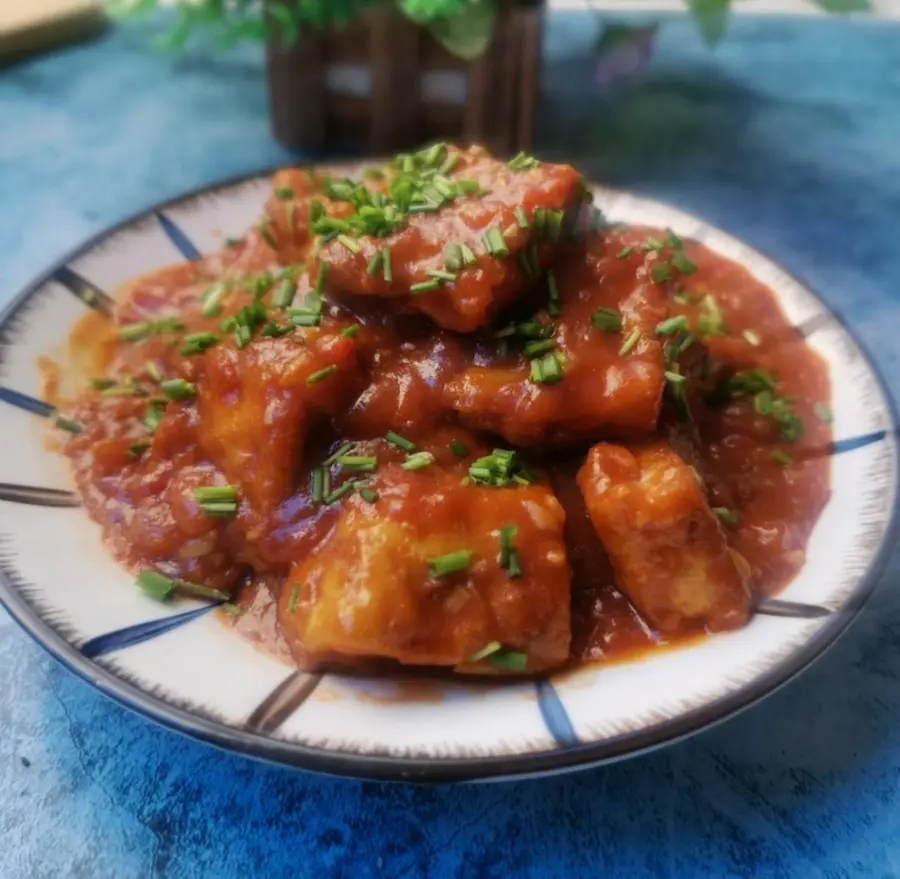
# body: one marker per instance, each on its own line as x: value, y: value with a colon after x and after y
x: 789, y: 136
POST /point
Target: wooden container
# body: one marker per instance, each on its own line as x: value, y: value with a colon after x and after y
x: 387, y: 84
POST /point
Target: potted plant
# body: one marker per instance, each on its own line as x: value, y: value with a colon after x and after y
x: 388, y: 73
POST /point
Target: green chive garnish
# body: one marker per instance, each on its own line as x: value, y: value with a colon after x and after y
x: 727, y: 516
x: 155, y: 585
x: 138, y: 448
x: 486, y: 651
x: 295, y: 595
x: 450, y: 563
x: 365, y: 463
x: 212, y: 300
x: 321, y: 277
x: 68, y: 425
x: 534, y: 349
x: 375, y: 263
x: 494, y: 242
x: 321, y: 374
x: 607, y: 319
x: 468, y: 256
x: 349, y: 243
x: 625, y: 252
x: 418, y: 460
x: 630, y: 342
x: 369, y: 495
x: 672, y: 326
x: 521, y: 219
x: 284, y: 192
x: 306, y: 320
x: 453, y: 257
x: 214, y: 493
x: 283, y: 297
x: 781, y: 457
x: 178, y: 389
x: 338, y: 493
x: 546, y: 370
x: 152, y: 370
x: 553, y: 308
x: 196, y: 343
x: 439, y: 275
x: 399, y: 441
x: 350, y: 332
x: 101, y: 384
x: 511, y: 660
x: 234, y: 610
x: 507, y: 533
x: 823, y: 412
x: 675, y: 377
x: 425, y: 286
x: 386, y: 260
x: 459, y: 448
x: 317, y: 484
x: 135, y: 332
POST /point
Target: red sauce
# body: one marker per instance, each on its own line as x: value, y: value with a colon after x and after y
x: 265, y: 416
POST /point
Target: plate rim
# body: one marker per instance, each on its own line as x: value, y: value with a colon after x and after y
x: 375, y: 767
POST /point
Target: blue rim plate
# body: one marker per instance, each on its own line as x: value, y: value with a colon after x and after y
x: 181, y: 667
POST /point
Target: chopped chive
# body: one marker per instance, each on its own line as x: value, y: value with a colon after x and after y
x: 823, y: 412
x: 418, y: 460
x: 399, y: 441
x: 223, y: 508
x: 127, y: 389
x: 215, y: 493
x: 512, y: 660
x: 338, y: 493
x: 350, y: 332
x: 546, y: 370
x: 469, y: 257
x: 138, y: 448
x: 675, y: 377
x: 177, y: 389
x: 607, y: 319
x: 295, y: 595
x: 212, y: 300
x: 727, y: 516
x: 199, y: 591
x: 154, y: 414
x: 292, y: 217
x: 349, y: 243
x: 155, y: 585
x: 272, y: 331
x: 342, y: 449
x: 135, y: 332
x: 284, y: 193
x: 306, y: 320
x: 449, y: 163
x: 453, y: 257
x: 196, y: 343
x: 494, y: 242
x: 521, y: 219
x: 441, y: 275
x: 781, y: 457
x: 553, y: 305
x: 514, y: 568
x: 450, y: 563
x: 673, y: 325
x: 321, y: 277
x: 266, y: 232
x: 553, y: 225
x: 369, y: 495
x: 234, y: 610
x: 458, y: 448
x: 365, y: 463
x: 101, y: 384
x: 682, y: 264
x: 321, y: 374
x: 486, y: 651
x: 387, y: 274
x: 507, y: 533
x: 525, y: 262
x: 425, y: 286
x: 152, y: 370
x: 660, y: 272
x: 317, y: 485
x: 630, y: 342
x: 68, y: 425
x: 374, y: 263
x: 625, y: 252
x: 284, y: 294
x: 752, y: 338
x: 534, y: 349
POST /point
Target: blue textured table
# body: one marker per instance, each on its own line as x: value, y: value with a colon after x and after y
x: 789, y: 136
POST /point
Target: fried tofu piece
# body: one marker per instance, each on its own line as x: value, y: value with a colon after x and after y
x: 419, y: 247
x: 256, y: 404
x: 607, y: 387
x: 368, y: 591
x: 666, y: 545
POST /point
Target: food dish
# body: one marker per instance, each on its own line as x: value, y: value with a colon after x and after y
x: 273, y: 426
x: 481, y: 386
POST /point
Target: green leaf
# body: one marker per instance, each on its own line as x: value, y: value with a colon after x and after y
x: 468, y: 33
x: 711, y: 16
x: 843, y: 6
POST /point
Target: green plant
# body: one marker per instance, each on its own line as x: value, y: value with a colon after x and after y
x: 463, y: 26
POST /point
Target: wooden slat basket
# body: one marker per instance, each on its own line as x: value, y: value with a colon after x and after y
x: 388, y: 84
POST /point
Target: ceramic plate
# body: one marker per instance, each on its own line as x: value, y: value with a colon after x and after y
x: 182, y: 667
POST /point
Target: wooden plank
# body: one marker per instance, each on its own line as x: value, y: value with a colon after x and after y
x: 394, y: 66
x: 530, y: 41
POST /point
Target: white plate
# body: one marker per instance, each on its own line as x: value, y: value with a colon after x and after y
x: 180, y: 666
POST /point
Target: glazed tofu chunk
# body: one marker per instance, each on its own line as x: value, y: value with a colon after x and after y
x: 666, y: 545
x: 611, y: 368
x: 256, y: 404
x: 454, y: 255
x: 420, y: 575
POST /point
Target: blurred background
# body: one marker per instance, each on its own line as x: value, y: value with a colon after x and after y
x: 778, y: 120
